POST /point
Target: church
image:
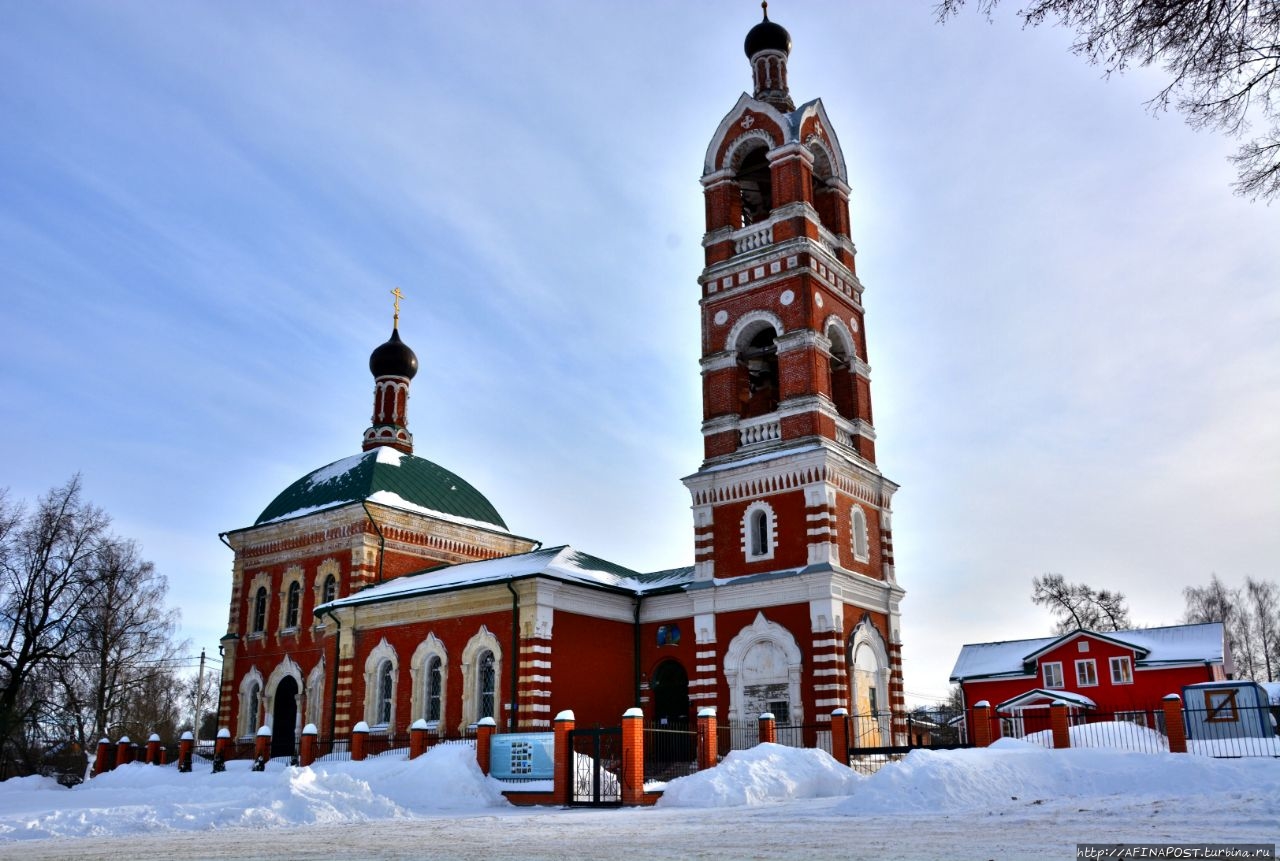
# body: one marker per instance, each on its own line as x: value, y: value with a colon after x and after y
x: 385, y: 589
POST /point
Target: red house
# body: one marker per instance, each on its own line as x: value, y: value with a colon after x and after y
x: 1117, y: 675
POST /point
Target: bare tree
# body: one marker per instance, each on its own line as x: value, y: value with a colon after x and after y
x: 1264, y: 606
x: 47, y: 579
x: 1078, y: 605
x: 1222, y: 56
x: 1216, y: 602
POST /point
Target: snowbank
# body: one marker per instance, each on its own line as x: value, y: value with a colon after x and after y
x: 139, y: 798
x: 1011, y: 773
x: 763, y: 774
x: 1120, y: 735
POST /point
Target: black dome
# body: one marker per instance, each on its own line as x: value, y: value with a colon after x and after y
x: 767, y: 36
x: 393, y: 359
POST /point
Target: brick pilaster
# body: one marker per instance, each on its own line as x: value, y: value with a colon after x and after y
x: 632, y: 756
x: 562, y: 790
x: 1058, y: 723
x: 534, y: 684
x: 1174, y: 728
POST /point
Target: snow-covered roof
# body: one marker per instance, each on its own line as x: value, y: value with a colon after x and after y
x: 1039, y: 696
x: 558, y: 563
x: 1174, y: 644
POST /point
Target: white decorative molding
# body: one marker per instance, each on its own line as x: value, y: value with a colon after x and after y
x: 766, y: 635
x: 748, y: 324
x: 770, y: 531
x: 430, y: 647
x: 482, y: 641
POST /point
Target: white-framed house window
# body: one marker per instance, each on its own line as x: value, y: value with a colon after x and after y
x: 380, y: 671
x: 430, y: 672
x: 1087, y: 673
x: 860, y: 542
x: 1121, y: 671
x: 1053, y: 674
x: 759, y: 531
x: 481, y: 677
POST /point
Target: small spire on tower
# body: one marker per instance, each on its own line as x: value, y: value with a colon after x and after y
x: 395, y: 320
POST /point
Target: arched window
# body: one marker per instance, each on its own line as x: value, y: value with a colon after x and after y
x: 486, y: 685
x: 386, y: 690
x: 254, y: 702
x: 330, y: 589
x: 858, y: 527
x: 435, y: 684
x: 260, y: 610
x: 292, y: 605
x: 840, y: 368
x: 755, y: 184
x: 759, y: 531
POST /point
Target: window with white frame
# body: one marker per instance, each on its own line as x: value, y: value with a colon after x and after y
x: 1053, y: 674
x: 386, y: 691
x: 330, y: 591
x: 486, y: 685
x: 260, y: 610
x: 759, y: 531
x: 293, y: 604
x: 435, y: 689
x: 250, y: 703
x: 1121, y: 671
x: 1087, y: 673
x: 858, y: 527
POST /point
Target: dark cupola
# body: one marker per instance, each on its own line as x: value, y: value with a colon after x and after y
x: 767, y: 46
x: 393, y: 365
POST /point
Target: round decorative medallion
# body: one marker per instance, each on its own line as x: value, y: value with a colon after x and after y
x: 787, y: 297
x: 817, y: 299
x: 721, y: 317
x: 853, y: 323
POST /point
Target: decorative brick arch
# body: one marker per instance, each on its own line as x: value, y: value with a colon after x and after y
x: 749, y: 324
x: 382, y: 652
x: 315, y: 693
x: 427, y: 649
x: 779, y: 669
x: 745, y: 143
x: 847, y: 341
x: 483, y: 641
x: 868, y: 663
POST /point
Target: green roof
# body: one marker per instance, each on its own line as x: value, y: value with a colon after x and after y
x: 386, y: 477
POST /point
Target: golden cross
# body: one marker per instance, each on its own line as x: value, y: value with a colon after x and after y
x: 395, y: 324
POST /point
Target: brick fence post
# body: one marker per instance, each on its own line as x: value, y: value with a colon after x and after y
x: 1174, y: 727
x: 562, y: 792
x: 262, y: 748
x: 418, y: 738
x: 981, y: 735
x: 708, y: 744
x: 153, y: 749
x: 220, y: 745
x: 359, y: 741
x: 1058, y: 724
x: 840, y: 735
x: 485, y: 728
x: 632, y: 756
x: 122, y: 752
x: 184, y: 752
x: 100, y: 761
x: 768, y: 728
x: 307, y: 747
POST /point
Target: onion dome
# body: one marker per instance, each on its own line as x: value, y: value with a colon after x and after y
x: 393, y: 359
x: 767, y: 36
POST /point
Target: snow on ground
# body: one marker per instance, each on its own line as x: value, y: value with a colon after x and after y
x: 1013, y: 800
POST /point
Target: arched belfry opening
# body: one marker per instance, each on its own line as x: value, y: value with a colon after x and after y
x: 840, y: 368
x: 826, y: 200
x: 758, y: 372
x: 755, y: 184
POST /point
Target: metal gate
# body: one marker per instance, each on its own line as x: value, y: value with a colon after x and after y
x: 596, y: 766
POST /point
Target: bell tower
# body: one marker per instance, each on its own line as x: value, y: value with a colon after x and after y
x: 789, y: 505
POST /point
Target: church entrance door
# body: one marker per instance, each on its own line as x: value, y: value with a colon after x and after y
x: 284, y: 718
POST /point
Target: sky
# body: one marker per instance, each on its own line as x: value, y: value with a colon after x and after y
x: 1073, y: 323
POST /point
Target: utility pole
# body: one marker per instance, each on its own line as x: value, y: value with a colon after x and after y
x: 195, y: 724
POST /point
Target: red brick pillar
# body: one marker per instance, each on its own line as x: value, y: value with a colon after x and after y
x: 122, y: 752
x: 1174, y: 728
x: 418, y: 738
x: 708, y: 745
x: 840, y: 735
x: 981, y: 734
x: 563, y: 789
x: 359, y: 741
x: 632, y: 756
x: 1058, y: 723
x: 307, y: 747
x: 184, y: 752
x: 222, y: 742
x: 100, y: 761
x: 262, y: 745
x: 153, y: 750
x: 485, y: 729
x: 768, y: 729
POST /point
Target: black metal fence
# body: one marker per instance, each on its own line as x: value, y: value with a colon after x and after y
x: 670, y: 750
x: 1233, y: 731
